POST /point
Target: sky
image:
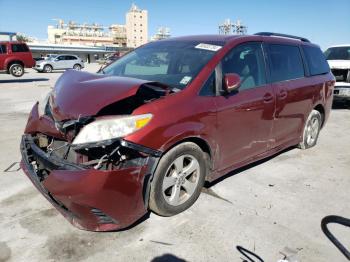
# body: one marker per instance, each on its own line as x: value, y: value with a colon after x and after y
x: 323, y: 22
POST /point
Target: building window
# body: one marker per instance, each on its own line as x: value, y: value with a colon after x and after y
x: 140, y: 24
x: 141, y: 31
x: 140, y: 16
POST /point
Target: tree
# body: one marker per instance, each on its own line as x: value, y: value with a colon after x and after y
x: 22, y: 38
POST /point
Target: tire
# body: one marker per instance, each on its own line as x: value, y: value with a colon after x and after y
x: 47, y: 69
x: 182, y: 170
x: 311, y: 130
x: 16, y: 70
x: 77, y: 67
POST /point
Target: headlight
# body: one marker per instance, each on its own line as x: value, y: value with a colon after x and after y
x: 111, y: 127
x: 42, y: 104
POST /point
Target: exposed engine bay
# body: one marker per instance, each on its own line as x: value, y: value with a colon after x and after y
x: 110, y: 154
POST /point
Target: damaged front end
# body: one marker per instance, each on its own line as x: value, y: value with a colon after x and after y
x: 97, y: 186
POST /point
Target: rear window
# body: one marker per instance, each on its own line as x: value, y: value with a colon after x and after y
x: 286, y: 62
x: 3, y: 49
x: 19, y: 48
x: 316, y: 60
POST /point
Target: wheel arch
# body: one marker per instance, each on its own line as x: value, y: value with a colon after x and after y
x: 14, y: 61
x: 204, y: 146
x: 320, y: 108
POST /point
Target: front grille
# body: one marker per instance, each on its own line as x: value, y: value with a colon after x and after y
x: 102, y: 218
x: 341, y: 75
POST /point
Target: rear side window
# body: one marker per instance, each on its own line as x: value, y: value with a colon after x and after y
x: 3, y: 49
x: 286, y: 62
x: 69, y: 57
x: 316, y: 60
x: 19, y: 48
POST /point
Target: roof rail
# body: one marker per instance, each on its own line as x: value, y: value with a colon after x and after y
x: 283, y: 35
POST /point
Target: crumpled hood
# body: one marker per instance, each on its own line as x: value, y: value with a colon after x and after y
x: 77, y: 94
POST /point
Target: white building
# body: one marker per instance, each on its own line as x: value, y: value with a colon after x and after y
x: 133, y: 34
x: 136, y: 27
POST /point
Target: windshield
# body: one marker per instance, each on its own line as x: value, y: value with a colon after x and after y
x: 338, y: 53
x: 50, y: 57
x: 174, y: 63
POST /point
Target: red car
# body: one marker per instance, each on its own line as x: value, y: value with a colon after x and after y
x: 14, y: 57
x: 148, y: 130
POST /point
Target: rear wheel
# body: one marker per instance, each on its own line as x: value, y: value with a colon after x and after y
x: 311, y: 130
x: 178, y: 179
x: 16, y: 70
x: 77, y: 67
x: 48, y: 69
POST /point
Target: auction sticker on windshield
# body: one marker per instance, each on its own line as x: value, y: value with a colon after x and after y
x: 209, y: 47
x: 185, y: 80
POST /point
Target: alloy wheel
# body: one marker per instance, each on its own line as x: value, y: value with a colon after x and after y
x: 48, y: 69
x: 17, y: 70
x: 181, y: 180
x: 77, y: 67
x: 312, y: 130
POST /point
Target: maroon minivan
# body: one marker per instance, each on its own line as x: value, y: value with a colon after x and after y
x: 147, y: 131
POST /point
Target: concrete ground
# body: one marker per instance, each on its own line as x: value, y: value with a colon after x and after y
x: 271, y: 208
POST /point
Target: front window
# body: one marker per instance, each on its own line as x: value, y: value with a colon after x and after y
x: 338, y: 53
x: 174, y: 63
x: 247, y: 61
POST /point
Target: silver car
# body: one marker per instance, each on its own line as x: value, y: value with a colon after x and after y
x: 59, y: 62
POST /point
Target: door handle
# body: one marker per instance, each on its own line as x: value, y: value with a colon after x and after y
x: 282, y: 94
x: 268, y: 98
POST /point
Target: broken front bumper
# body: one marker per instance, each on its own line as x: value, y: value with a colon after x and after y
x: 91, y: 199
x: 96, y: 200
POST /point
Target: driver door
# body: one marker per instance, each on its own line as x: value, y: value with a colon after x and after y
x: 245, y: 116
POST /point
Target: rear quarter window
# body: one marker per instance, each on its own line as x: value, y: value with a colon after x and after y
x: 286, y: 62
x: 3, y: 49
x: 16, y: 48
x: 315, y: 60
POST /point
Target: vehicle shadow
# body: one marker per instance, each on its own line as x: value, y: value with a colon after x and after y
x: 244, y: 168
x: 207, y: 187
x: 167, y: 258
x: 21, y: 80
x: 341, y: 105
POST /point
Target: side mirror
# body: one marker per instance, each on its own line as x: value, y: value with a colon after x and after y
x: 231, y: 83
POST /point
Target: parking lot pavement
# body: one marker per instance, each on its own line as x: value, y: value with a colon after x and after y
x: 271, y: 208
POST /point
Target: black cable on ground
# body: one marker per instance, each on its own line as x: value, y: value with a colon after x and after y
x: 245, y: 253
x: 337, y: 220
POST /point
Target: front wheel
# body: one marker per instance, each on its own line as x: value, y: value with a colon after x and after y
x: 311, y: 130
x: 16, y: 70
x: 178, y: 179
x: 48, y: 69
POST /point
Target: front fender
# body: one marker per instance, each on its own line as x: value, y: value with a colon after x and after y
x: 176, y: 133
